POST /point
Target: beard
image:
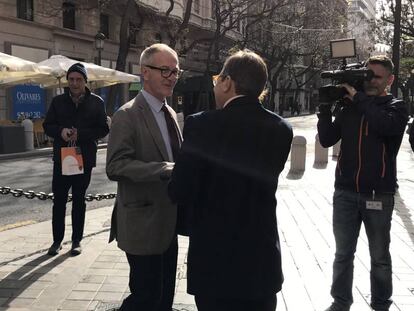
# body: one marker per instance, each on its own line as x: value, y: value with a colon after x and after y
x: 371, y: 90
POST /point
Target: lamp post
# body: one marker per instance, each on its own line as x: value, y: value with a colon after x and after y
x: 99, y: 45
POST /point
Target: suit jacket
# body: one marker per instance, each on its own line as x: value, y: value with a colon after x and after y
x: 227, y: 174
x: 144, y: 218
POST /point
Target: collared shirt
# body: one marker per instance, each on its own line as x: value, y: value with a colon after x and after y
x: 156, y: 106
x: 77, y: 100
x: 230, y: 99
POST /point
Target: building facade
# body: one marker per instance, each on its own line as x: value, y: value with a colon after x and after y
x: 361, y: 13
x: 37, y: 29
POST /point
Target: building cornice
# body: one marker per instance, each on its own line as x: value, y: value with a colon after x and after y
x: 73, y: 34
x: 59, y: 31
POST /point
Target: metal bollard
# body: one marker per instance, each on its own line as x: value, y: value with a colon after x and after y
x: 336, y: 148
x: 28, y: 134
x: 298, y: 154
x: 321, y: 153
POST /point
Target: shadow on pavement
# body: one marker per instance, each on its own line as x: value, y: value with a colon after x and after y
x: 110, y: 306
x: 295, y: 175
x: 405, y: 215
x: 17, y: 282
x: 320, y: 165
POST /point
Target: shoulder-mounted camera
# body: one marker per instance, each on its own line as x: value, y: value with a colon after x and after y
x: 352, y: 74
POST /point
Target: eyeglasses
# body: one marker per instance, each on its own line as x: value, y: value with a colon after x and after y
x: 167, y: 72
x: 215, y: 78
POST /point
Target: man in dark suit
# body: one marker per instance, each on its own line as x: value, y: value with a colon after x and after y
x: 143, y: 143
x: 226, y: 175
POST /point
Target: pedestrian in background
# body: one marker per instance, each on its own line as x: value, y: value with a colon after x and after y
x: 143, y: 143
x: 75, y: 118
x: 226, y: 175
x: 370, y: 125
x: 411, y: 138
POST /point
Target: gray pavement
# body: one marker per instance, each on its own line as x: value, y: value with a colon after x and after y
x: 98, y: 278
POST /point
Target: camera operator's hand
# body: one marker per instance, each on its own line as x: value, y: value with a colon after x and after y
x: 350, y: 90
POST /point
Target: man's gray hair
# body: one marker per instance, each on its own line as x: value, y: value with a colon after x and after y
x: 148, y: 53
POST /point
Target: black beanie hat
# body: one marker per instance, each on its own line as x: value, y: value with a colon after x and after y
x: 78, y: 67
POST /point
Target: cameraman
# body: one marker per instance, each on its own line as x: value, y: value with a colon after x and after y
x: 371, y: 126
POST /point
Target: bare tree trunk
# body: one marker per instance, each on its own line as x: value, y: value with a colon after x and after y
x: 272, y: 105
x: 124, y: 44
x: 183, y: 25
x: 273, y: 84
x: 396, y: 46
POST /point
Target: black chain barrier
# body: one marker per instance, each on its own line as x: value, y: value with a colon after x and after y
x: 17, y: 193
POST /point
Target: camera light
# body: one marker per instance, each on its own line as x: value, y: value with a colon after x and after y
x: 343, y: 48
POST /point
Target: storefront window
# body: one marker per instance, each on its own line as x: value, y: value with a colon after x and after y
x: 25, y: 9
x: 104, y: 19
x: 68, y: 15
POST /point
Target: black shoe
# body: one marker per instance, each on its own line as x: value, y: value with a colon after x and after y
x: 76, y: 249
x: 335, y: 307
x: 54, y: 249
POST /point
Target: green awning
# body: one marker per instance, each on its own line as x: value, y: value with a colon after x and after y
x: 135, y: 86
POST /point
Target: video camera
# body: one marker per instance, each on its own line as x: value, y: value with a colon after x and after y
x: 352, y: 74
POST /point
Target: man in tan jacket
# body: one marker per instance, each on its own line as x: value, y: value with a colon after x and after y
x: 143, y: 143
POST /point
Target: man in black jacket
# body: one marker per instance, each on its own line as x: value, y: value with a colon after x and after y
x: 371, y: 126
x: 76, y: 117
x: 226, y: 175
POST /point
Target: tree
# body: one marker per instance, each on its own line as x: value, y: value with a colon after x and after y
x: 396, y: 46
x: 175, y: 29
x: 229, y: 18
x: 397, y: 17
x: 294, y: 43
x: 126, y: 32
x: 388, y: 10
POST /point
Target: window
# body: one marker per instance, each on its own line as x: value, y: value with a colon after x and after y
x: 133, y: 29
x: 196, y: 6
x: 158, y: 37
x: 104, y: 20
x: 68, y: 14
x: 25, y: 9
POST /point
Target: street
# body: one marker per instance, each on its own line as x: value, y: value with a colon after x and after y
x: 36, y: 174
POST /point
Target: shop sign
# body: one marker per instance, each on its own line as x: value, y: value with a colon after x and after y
x: 28, y: 102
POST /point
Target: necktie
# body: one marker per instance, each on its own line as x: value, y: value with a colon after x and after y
x: 175, y: 138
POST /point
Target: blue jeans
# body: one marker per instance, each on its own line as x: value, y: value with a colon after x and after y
x: 349, y: 211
